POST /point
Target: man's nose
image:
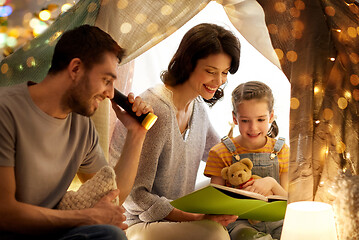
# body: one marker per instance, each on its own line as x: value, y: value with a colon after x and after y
x: 110, y: 92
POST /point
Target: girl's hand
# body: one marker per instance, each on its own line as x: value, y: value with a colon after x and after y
x: 262, y: 186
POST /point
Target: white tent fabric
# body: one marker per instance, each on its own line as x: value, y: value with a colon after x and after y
x: 139, y: 25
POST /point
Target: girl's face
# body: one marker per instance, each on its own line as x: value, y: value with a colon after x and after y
x: 209, y: 74
x: 253, y: 120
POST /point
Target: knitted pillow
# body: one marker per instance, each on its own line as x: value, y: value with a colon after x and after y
x: 91, y: 191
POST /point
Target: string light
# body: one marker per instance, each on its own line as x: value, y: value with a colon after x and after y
x: 39, y: 28
x: 3, y: 37
x: 34, y: 23
x: 5, y: 11
x: 66, y: 7
x: 45, y: 15
x: 347, y: 95
x: 11, y: 41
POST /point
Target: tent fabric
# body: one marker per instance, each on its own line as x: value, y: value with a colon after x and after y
x: 248, y: 17
x: 315, y: 44
x: 139, y: 25
x: 32, y: 61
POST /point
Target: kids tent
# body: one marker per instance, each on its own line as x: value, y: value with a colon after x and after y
x: 314, y: 42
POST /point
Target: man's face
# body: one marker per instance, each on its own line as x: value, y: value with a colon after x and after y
x: 93, y: 86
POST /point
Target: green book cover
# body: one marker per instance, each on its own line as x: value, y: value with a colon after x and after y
x: 210, y: 200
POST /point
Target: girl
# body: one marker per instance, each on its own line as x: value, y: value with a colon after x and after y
x: 180, y: 139
x: 253, y: 113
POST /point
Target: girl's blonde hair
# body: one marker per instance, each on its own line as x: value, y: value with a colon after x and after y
x: 254, y: 90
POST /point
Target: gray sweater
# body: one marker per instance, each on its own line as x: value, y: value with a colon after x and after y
x: 169, y: 164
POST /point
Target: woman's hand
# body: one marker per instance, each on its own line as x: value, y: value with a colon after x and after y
x: 224, y: 220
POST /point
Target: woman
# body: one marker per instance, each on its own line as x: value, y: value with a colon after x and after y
x: 181, y: 137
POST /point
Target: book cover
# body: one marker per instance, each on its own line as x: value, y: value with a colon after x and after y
x: 225, y: 200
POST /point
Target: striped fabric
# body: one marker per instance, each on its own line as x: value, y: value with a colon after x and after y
x: 219, y: 157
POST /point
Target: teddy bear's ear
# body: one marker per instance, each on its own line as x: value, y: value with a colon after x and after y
x: 247, y: 162
x: 224, y: 173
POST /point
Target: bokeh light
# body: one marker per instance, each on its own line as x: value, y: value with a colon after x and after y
x: 3, y: 37
x: 39, y: 28
x: 21, y: 21
x: 44, y: 15
x: 66, y: 7
x: 5, y: 11
x: 11, y: 41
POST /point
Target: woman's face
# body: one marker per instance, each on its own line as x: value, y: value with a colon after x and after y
x: 209, y: 74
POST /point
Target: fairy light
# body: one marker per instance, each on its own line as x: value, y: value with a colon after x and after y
x: 332, y: 59
x: 350, y: 164
x: 39, y: 28
x: 44, y: 15
x: 34, y: 22
x: 324, y: 154
x: 3, y: 37
x: 325, y: 150
x: 5, y: 11
x: 66, y: 7
x: 347, y: 95
x: 11, y: 41
x: 32, y: 26
x: 14, y: 33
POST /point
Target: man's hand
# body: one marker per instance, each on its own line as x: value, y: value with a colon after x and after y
x: 105, y: 212
x: 138, y: 106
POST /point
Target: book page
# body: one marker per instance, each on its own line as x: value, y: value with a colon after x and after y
x: 243, y: 194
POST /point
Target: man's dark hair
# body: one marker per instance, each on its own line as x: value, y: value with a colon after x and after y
x: 88, y: 43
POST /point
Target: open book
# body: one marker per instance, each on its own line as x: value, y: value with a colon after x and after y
x: 243, y: 194
x: 218, y: 199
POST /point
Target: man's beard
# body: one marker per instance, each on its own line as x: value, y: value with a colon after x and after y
x: 79, y: 99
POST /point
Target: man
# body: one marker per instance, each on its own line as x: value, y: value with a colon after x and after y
x: 46, y: 137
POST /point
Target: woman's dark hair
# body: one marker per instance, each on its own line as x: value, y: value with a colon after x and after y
x: 255, y: 90
x: 198, y: 43
x: 89, y: 43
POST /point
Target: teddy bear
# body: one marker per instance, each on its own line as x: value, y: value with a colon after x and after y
x: 239, y: 173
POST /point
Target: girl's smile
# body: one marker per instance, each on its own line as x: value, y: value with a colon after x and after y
x: 253, y: 120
